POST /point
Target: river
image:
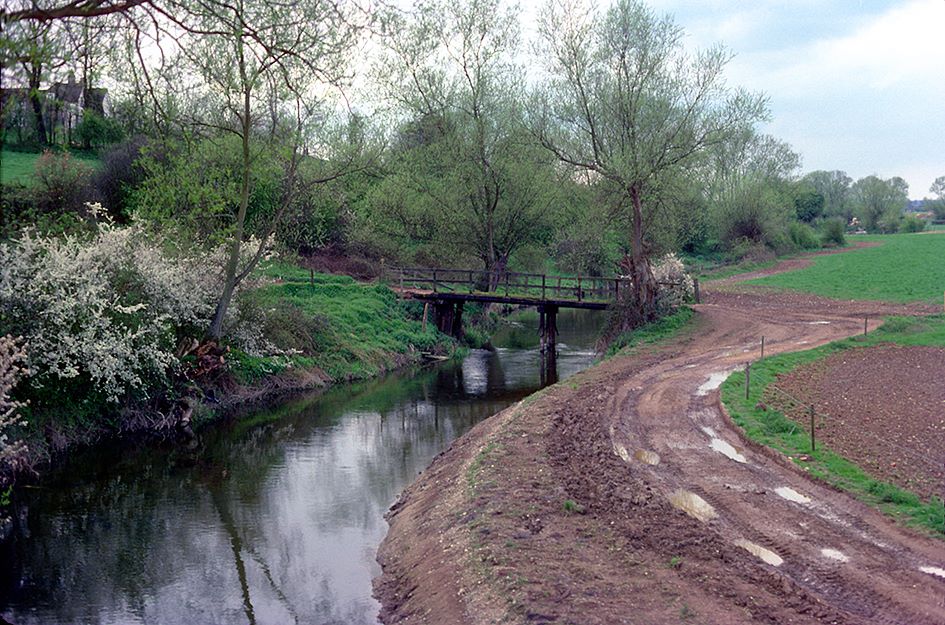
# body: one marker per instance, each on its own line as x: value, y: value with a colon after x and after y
x: 274, y: 517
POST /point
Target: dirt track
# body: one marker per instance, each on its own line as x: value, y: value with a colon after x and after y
x: 670, y: 516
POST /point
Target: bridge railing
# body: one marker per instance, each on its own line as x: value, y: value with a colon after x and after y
x: 508, y: 283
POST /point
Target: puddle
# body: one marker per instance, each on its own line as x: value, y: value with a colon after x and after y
x: 932, y: 570
x: 766, y: 555
x: 715, y: 380
x: 791, y: 495
x: 693, y: 505
x: 727, y: 450
x: 621, y: 451
x: 647, y: 457
x: 833, y: 554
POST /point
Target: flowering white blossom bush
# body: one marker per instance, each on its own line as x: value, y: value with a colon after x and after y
x: 676, y: 286
x: 107, y: 308
x: 12, y: 368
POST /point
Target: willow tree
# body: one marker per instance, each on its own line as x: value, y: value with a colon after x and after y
x: 625, y: 100
x: 480, y: 179
x: 252, y: 70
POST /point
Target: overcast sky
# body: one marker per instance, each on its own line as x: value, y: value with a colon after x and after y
x: 853, y: 85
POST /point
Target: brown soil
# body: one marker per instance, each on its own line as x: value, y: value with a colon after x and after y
x: 883, y: 408
x: 554, y: 511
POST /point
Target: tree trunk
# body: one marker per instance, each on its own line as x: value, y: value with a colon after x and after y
x: 644, y: 284
x: 232, y: 263
x: 35, y: 74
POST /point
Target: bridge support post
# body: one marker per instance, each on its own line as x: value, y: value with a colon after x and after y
x: 448, y: 317
x: 443, y: 316
x: 549, y: 369
x: 456, y: 329
x: 548, y: 327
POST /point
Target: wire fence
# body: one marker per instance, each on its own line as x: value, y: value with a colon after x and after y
x: 796, y: 409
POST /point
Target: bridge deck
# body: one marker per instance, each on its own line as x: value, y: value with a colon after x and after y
x: 527, y: 289
x: 499, y: 298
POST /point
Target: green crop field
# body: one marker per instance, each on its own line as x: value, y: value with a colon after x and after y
x: 902, y: 268
x: 18, y: 166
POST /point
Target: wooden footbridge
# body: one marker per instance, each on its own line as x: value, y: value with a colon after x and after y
x: 447, y: 290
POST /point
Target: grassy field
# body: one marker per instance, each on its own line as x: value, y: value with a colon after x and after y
x: 18, y: 166
x: 772, y: 428
x: 348, y: 329
x: 903, y: 268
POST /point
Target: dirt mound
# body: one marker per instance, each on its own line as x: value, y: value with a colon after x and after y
x: 885, y: 411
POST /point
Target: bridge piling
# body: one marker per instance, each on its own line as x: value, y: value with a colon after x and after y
x: 548, y: 327
x: 448, y: 316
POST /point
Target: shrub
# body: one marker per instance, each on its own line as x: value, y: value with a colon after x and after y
x: 62, y: 184
x: 96, y: 131
x: 755, y: 213
x: 911, y: 223
x: 105, y: 312
x: 833, y: 232
x: 889, y: 222
x: 13, y: 367
x: 117, y: 177
x: 802, y: 236
x: 677, y: 287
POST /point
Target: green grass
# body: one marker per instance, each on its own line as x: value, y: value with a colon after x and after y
x: 18, y: 166
x: 903, y: 268
x: 772, y: 428
x: 360, y: 330
x: 663, y: 328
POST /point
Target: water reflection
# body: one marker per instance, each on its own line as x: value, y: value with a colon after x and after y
x: 274, y: 518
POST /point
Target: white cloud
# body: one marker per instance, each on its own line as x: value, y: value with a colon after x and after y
x: 901, y: 47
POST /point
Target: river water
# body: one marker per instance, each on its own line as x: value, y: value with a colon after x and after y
x: 275, y: 517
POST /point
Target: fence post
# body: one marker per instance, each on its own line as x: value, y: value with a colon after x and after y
x: 543, y: 286
x: 695, y: 286
x: 579, y: 288
x: 311, y: 276
x: 865, y: 321
x: 812, y: 442
x: 747, y: 378
x: 434, y: 280
x: 472, y: 284
x: 762, y: 347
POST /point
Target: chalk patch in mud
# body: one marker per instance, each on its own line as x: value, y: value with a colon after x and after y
x: 647, y: 457
x: 932, y: 570
x: 715, y: 380
x: 818, y: 323
x: 621, y: 451
x: 727, y: 450
x: 766, y: 555
x: 693, y: 505
x: 791, y: 495
x: 833, y: 554
x: 709, y: 431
